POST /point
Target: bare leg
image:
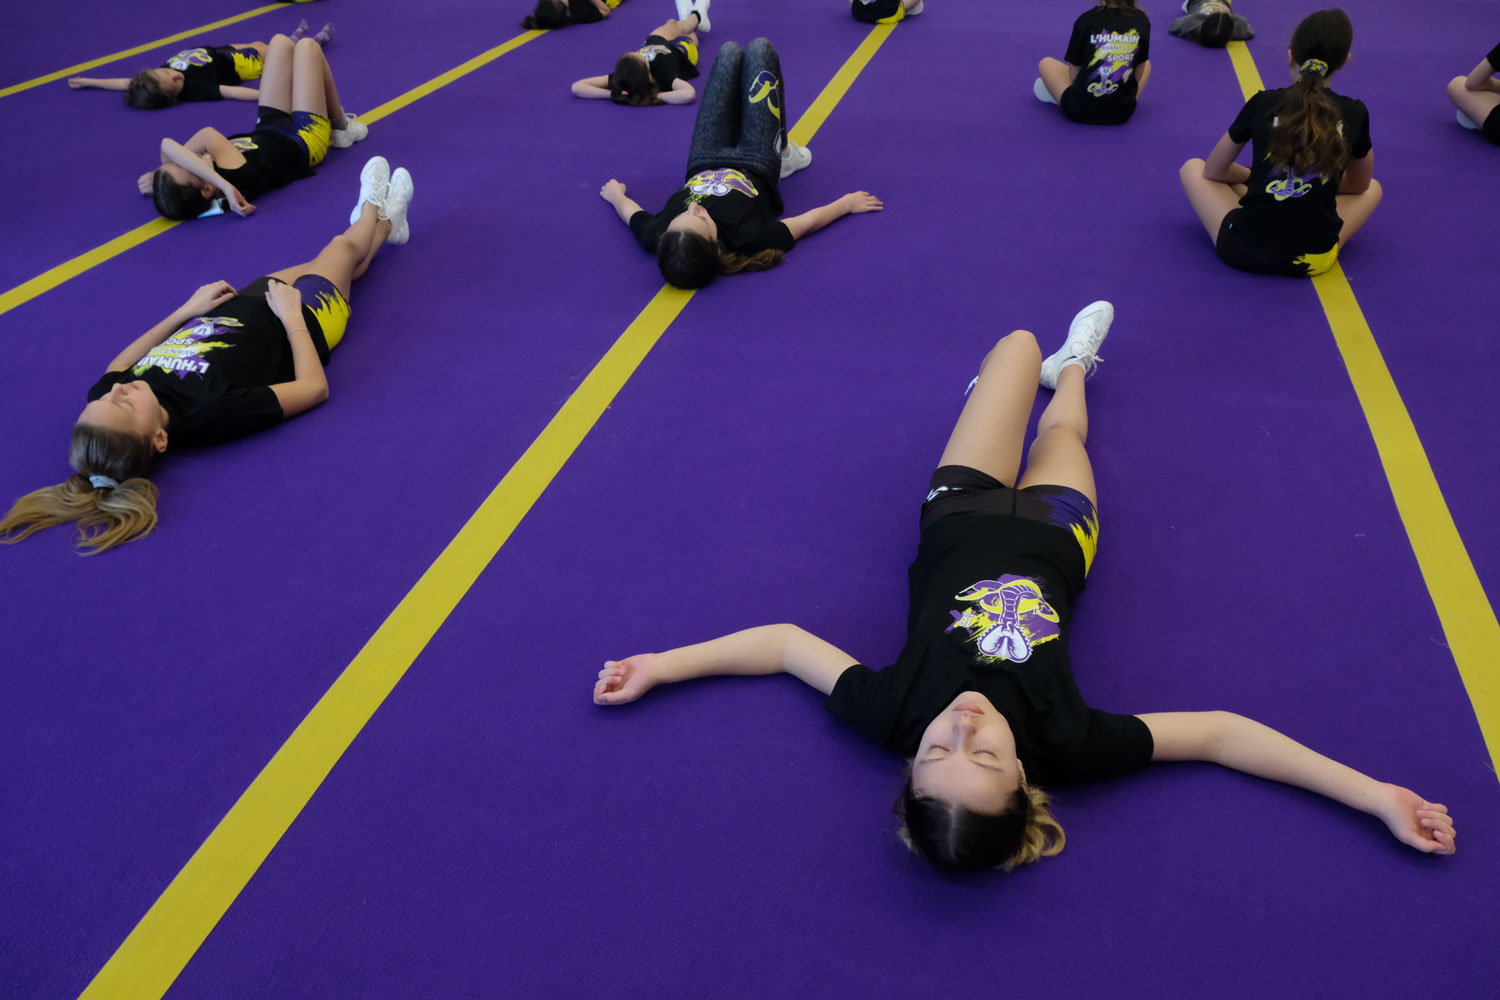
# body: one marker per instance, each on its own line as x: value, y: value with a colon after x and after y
x: 687, y: 28
x: 1212, y: 200
x: 276, y: 74
x: 347, y: 255
x: 991, y: 431
x: 312, y: 84
x: 1057, y: 456
x: 1356, y: 209
x: 1476, y: 104
x: 1056, y: 76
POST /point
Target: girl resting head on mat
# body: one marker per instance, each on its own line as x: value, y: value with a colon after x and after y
x: 299, y: 116
x: 1211, y: 23
x: 658, y: 72
x: 1310, y: 185
x: 982, y: 697
x: 224, y: 364
x: 201, y: 74
x: 551, y: 14
x: 1477, y: 96
x: 1105, y: 67
x: 726, y: 217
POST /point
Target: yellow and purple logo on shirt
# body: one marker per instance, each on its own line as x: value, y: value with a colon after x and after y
x: 1008, y: 618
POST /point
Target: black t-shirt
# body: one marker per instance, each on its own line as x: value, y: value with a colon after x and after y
x: 584, y: 12
x: 204, y: 70
x: 745, y: 208
x: 273, y: 159
x: 668, y: 61
x: 991, y: 601
x: 1107, y: 44
x: 213, y: 375
x: 1494, y: 58
x: 1282, y: 210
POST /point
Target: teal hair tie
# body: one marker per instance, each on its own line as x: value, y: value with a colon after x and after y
x: 1315, y: 66
x: 103, y: 482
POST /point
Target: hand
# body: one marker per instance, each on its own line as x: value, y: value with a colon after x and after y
x: 208, y: 297
x: 237, y: 202
x: 1415, y: 821
x: 612, y: 190
x: 858, y: 202
x: 626, y: 680
x: 78, y: 82
x: 145, y: 182
x: 286, y: 302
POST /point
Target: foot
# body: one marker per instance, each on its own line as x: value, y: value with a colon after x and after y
x: 374, y: 180
x: 325, y: 34
x: 699, y: 7
x: 1466, y: 121
x: 1042, y: 93
x: 1085, y: 334
x: 794, y: 158
x: 397, y: 198
x: 916, y: 8
x: 299, y: 32
x: 352, y: 132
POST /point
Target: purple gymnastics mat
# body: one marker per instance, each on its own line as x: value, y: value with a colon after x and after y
x: 491, y: 832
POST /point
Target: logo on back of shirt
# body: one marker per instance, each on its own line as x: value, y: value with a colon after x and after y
x: 1009, y: 617
x: 1114, y: 59
x: 652, y: 51
x: 717, y: 183
x: 183, y: 351
x: 189, y: 58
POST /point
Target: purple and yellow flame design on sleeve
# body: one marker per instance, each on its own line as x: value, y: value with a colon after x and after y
x: 1008, y: 618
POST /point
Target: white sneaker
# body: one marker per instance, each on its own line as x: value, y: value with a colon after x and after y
x: 1466, y: 121
x: 917, y: 9
x: 1042, y: 93
x: 699, y: 7
x: 794, y: 158
x: 1085, y: 334
x: 373, y: 181
x: 353, y: 131
x: 397, y: 198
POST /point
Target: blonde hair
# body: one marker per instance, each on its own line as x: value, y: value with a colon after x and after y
x: 733, y: 263
x: 955, y: 838
x: 107, y: 516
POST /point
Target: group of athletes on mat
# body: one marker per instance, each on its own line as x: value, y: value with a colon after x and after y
x: 982, y: 697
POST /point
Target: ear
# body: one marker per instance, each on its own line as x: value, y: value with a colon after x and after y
x: 159, y: 439
x: 1291, y: 60
x: 208, y: 190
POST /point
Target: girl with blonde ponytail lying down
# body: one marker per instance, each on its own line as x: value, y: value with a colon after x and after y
x: 224, y: 364
x: 982, y: 697
x: 1310, y: 185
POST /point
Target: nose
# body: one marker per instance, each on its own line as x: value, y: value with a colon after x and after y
x: 963, y: 728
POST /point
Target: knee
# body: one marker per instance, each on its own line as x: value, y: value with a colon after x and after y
x: 307, y: 45
x: 1192, y: 169
x: 1457, y: 86
x: 280, y: 43
x: 1375, y: 192
x: 1017, y: 345
x: 762, y: 46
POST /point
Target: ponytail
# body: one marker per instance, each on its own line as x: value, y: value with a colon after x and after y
x: 733, y: 263
x: 1307, y: 137
x: 107, y: 515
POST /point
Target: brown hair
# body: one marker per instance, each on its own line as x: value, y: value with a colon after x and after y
x: 1307, y: 136
x: 688, y: 260
x: 144, y: 92
x: 106, y: 516
x: 178, y: 201
x: 958, y: 839
x: 1120, y: 4
x: 632, y: 83
x: 548, y: 14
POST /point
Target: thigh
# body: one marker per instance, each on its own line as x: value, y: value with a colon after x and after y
x: 1211, y: 200
x: 1491, y: 123
x: 1059, y: 458
x: 716, y: 130
x: 310, y: 78
x: 991, y: 430
x: 763, y: 110
x: 276, y: 75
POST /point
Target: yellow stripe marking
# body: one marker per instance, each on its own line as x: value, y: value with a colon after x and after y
x: 1468, y: 619
x: 68, y: 270
x: 16, y: 88
x: 160, y: 946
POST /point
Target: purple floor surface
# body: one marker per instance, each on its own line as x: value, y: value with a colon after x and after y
x: 492, y: 833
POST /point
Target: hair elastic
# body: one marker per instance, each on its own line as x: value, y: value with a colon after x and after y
x: 1315, y: 66
x: 103, y: 482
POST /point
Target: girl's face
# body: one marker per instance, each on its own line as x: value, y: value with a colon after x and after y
x: 968, y: 756
x: 131, y: 408
x: 695, y: 219
x: 169, y: 80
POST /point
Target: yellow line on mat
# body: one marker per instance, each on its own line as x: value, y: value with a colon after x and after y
x: 70, y: 269
x: 160, y: 946
x: 1468, y: 619
x: 17, y: 87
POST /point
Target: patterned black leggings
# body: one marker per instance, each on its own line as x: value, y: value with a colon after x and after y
x: 742, y: 114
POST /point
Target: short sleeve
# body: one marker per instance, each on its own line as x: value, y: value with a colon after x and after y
x: 199, y: 87
x: 583, y: 12
x: 1113, y: 745
x: 108, y: 382
x: 1357, y: 129
x: 773, y: 235
x: 1080, y: 49
x: 643, y: 224
x: 1243, y: 127
x: 1494, y: 58
x: 865, y: 700
x: 234, y: 414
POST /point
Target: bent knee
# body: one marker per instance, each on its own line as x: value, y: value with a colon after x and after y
x: 1192, y: 168
x: 1375, y: 192
x: 1457, y: 86
x: 1016, y: 341
x: 309, y: 44
x: 280, y: 41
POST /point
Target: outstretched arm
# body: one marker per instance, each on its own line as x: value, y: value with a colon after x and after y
x: 769, y: 649
x: 592, y: 87
x: 614, y: 193
x: 230, y: 93
x: 1246, y: 745
x: 682, y: 92
x: 853, y: 203
x: 99, y: 83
